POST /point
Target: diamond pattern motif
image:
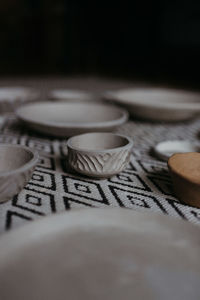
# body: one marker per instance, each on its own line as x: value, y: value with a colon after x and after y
x: 144, y: 185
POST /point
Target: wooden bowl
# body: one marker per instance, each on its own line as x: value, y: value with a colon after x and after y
x: 17, y: 164
x: 185, y: 172
x: 99, y: 154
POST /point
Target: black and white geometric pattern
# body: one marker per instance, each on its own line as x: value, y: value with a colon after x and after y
x: 144, y: 185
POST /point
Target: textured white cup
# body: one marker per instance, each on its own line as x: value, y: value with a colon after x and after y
x: 99, y: 154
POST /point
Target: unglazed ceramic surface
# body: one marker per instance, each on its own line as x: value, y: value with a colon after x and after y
x: 157, y: 104
x: 166, y: 149
x: 68, y: 119
x: 109, y: 254
x: 13, y: 97
x: 17, y: 164
x: 99, y: 154
x: 71, y: 95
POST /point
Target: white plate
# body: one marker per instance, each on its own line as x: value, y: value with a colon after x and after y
x: 70, y: 95
x: 157, y: 104
x: 12, y: 97
x: 166, y: 149
x: 68, y: 119
x: 109, y: 254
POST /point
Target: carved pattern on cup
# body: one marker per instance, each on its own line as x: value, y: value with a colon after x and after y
x: 99, y: 163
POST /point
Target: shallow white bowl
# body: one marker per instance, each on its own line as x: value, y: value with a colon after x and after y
x: 157, y: 104
x: 68, y: 119
x: 17, y: 164
x: 166, y: 149
x: 99, y: 154
x: 70, y: 95
x: 96, y: 254
x: 12, y: 97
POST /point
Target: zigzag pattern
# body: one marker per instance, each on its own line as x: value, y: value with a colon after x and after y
x: 54, y: 187
x: 99, y: 163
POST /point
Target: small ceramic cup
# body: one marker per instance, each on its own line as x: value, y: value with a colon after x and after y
x: 17, y: 164
x: 99, y: 154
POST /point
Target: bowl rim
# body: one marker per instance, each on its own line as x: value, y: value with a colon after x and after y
x: 82, y: 94
x: 160, y: 153
x: 22, y: 92
x: 117, y: 97
x: 117, y: 122
x: 129, y: 145
x: 32, y: 162
x: 175, y: 172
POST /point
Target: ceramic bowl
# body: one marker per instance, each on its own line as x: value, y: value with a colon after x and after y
x: 67, y: 119
x: 157, y: 104
x: 71, y: 95
x: 99, y: 154
x: 17, y: 164
x: 185, y: 172
x: 12, y: 97
x: 101, y: 254
x: 166, y: 149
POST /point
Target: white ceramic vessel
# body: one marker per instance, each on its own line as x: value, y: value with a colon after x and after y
x: 99, y: 154
x: 109, y: 254
x: 71, y: 95
x: 12, y: 97
x: 166, y: 149
x: 157, y: 104
x: 68, y: 119
x: 17, y: 164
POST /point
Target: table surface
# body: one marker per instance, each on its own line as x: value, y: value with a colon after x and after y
x: 144, y: 185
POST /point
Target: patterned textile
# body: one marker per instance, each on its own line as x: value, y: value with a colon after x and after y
x: 144, y: 185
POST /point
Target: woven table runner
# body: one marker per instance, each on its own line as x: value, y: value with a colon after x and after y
x: 144, y: 185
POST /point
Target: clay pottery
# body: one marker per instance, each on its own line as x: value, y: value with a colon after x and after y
x: 99, y: 154
x: 110, y: 254
x: 157, y: 104
x: 71, y: 95
x: 185, y: 172
x: 65, y: 119
x: 13, y: 97
x: 166, y: 149
x: 17, y: 164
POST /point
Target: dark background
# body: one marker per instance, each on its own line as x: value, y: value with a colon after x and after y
x: 157, y: 39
